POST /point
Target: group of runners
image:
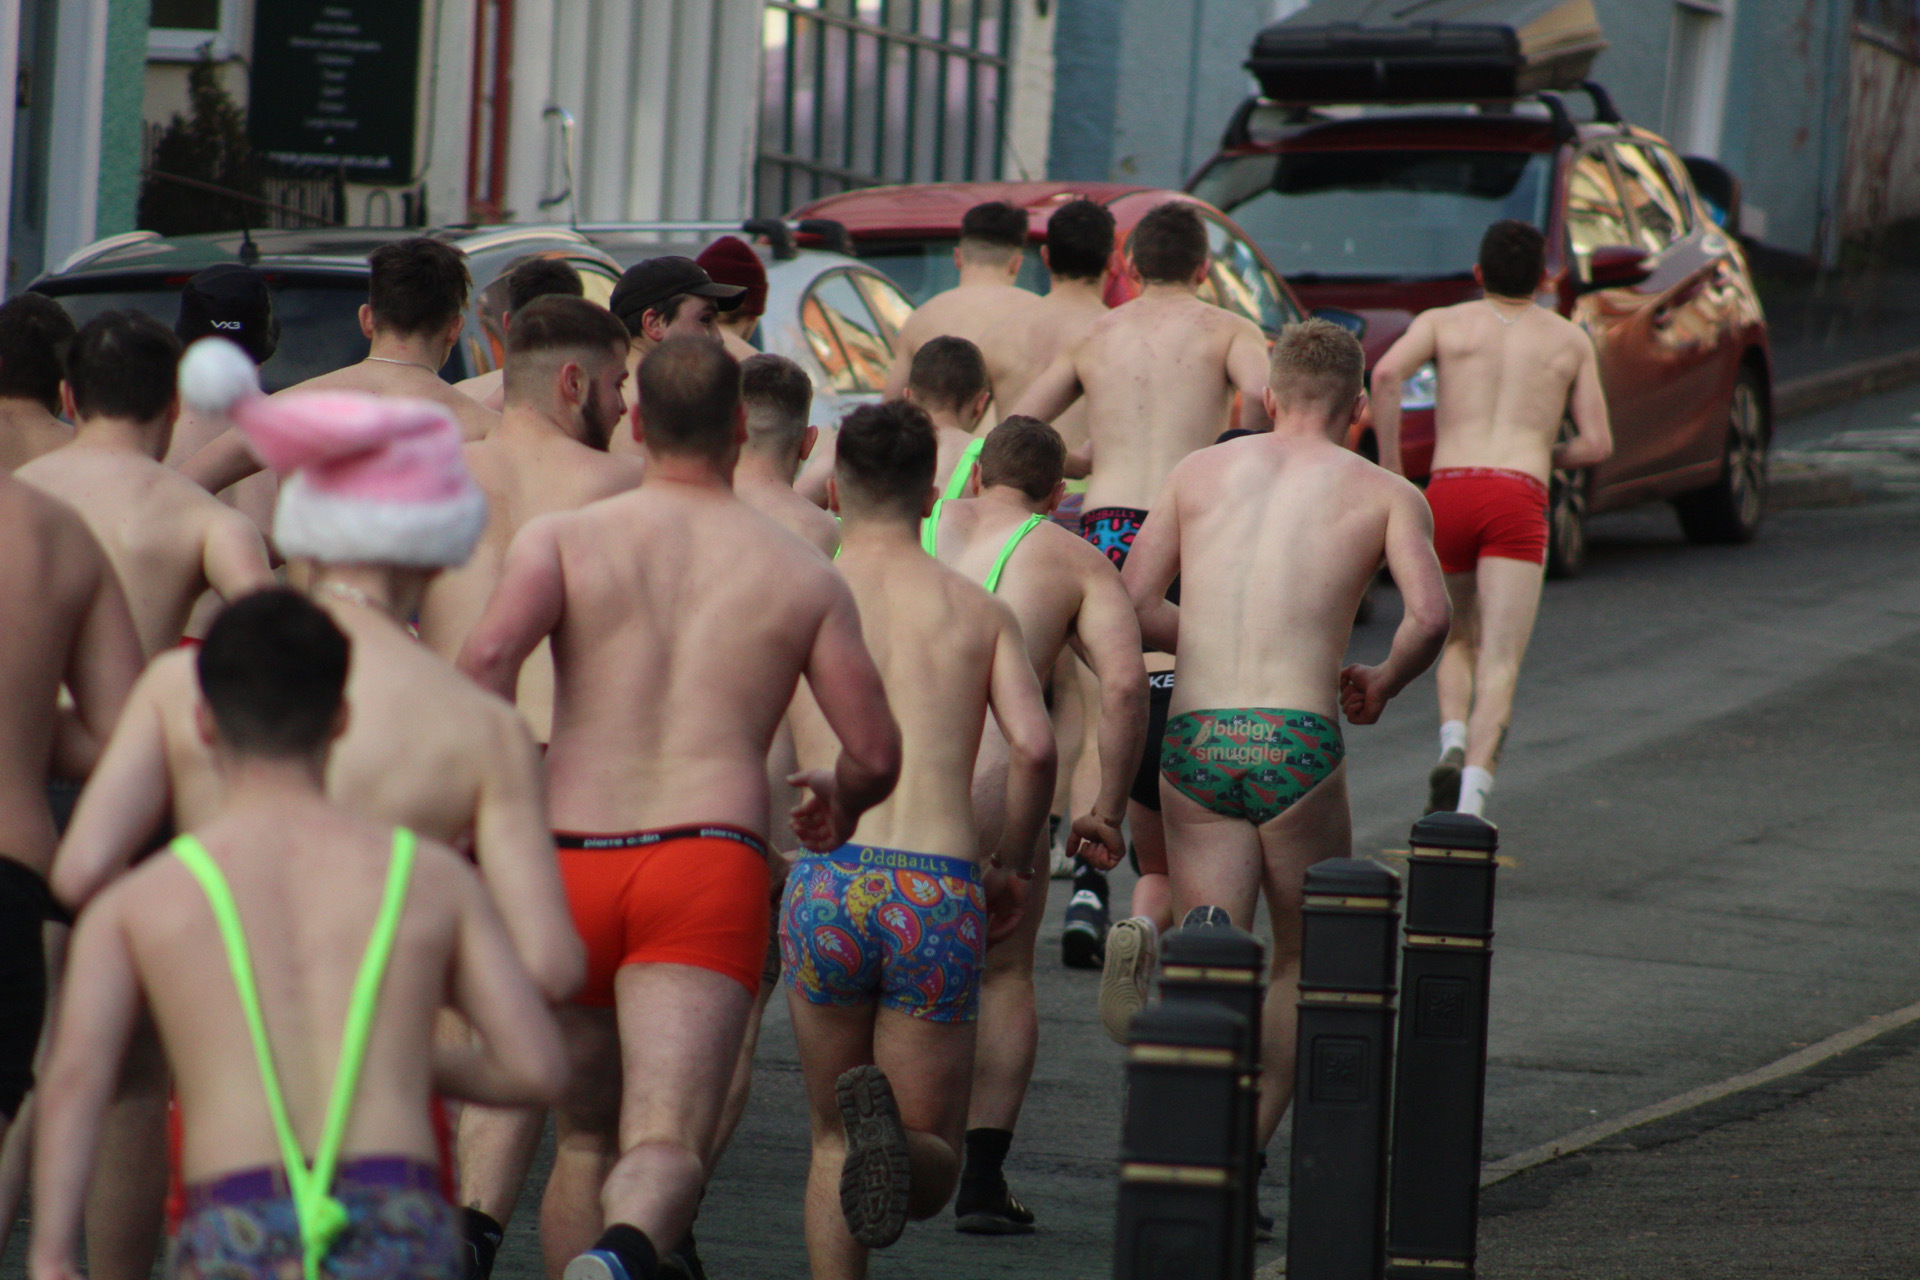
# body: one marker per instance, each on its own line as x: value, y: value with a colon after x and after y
x: 531, y: 740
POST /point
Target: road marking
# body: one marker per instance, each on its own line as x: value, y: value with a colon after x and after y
x: 1792, y: 1064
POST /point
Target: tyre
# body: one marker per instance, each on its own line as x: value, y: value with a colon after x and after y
x: 1567, y: 494
x: 1729, y: 509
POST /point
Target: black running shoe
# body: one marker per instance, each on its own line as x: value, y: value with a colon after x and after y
x: 1443, y: 784
x: 1207, y: 918
x: 997, y: 1215
x: 1083, y: 943
x: 683, y: 1262
x: 876, y: 1177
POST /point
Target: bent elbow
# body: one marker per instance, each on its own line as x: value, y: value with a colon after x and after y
x: 1036, y: 754
x: 561, y: 968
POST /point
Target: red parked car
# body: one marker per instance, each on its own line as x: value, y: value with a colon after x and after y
x: 1380, y: 213
x: 909, y: 232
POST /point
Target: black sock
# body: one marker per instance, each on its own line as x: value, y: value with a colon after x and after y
x: 483, y: 1235
x: 986, y: 1152
x: 631, y: 1246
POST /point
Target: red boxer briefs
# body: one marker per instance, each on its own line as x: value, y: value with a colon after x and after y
x: 1487, y: 511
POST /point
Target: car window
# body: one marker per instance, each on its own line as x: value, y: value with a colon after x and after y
x: 1677, y: 182
x: 596, y: 282
x: 1594, y: 214
x: 866, y: 353
x: 890, y: 306
x: 826, y: 347
x: 1244, y: 279
x: 923, y: 268
x: 1656, y: 210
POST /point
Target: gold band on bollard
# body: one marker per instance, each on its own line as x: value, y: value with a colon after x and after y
x: 1351, y: 904
x: 1429, y: 1264
x: 1180, y: 1175
x: 1446, y: 940
x: 1195, y: 973
x: 1310, y: 995
x: 1178, y: 1056
x: 1463, y: 855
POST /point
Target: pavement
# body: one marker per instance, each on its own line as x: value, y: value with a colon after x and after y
x: 1708, y: 804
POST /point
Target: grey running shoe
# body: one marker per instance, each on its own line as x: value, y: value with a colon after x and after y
x: 875, y: 1182
x: 1443, y: 784
x: 1124, y: 979
x: 1207, y: 918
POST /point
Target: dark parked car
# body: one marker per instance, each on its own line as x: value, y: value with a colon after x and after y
x: 1380, y: 212
x: 319, y: 281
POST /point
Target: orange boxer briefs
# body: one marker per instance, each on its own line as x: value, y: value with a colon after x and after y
x: 1487, y: 511
x: 684, y: 895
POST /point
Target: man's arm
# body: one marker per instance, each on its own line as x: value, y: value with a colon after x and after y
x: 847, y: 688
x: 1592, y: 443
x: 222, y: 461
x: 1152, y: 565
x: 99, y: 1001
x: 523, y: 610
x: 1053, y: 392
x: 124, y: 803
x: 1108, y: 637
x: 514, y: 851
x: 1411, y: 350
x: 520, y: 1060
x: 233, y: 555
x: 1248, y: 362
x: 1365, y: 691
x: 1021, y: 712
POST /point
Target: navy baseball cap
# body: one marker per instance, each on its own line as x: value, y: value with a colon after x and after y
x: 651, y: 282
x: 230, y: 301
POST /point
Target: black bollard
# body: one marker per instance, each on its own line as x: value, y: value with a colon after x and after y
x: 1228, y: 967
x: 1178, y: 1148
x: 1440, y: 1090
x: 1337, y: 1203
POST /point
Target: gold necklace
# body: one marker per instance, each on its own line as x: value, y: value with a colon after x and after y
x: 414, y: 363
x: 354, y: 595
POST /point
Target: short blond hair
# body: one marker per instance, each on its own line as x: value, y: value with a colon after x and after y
x: 1317, y: 362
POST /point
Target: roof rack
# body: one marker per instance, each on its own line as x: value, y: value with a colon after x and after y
x: 1603, y: 109
x: 1564, y: 129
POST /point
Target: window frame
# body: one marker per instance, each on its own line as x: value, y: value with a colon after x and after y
x: 1582, y: 261
x: 183, y: 44
x: 850, y: 358
x: 1627, y: 175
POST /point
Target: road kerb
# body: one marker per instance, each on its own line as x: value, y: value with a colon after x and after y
x: 1792, y: 1064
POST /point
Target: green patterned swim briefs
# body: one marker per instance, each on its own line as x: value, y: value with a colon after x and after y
x: 1249, y: 762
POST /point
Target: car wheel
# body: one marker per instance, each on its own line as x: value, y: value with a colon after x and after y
x: 1567, y: 494
x: 1729, y: 509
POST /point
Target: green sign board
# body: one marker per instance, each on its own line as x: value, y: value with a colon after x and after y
x: 334, y: 85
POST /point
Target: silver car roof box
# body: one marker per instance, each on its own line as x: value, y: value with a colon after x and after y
x: 1426, y: 50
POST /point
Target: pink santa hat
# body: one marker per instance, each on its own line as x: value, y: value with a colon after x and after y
x: 365, y: 479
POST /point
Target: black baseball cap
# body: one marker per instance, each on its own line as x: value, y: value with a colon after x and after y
x: 230, y: 301
x: 649, y: 283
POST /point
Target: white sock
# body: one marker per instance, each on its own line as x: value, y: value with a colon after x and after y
x: 1475, y: 782
x: 1453, y: 733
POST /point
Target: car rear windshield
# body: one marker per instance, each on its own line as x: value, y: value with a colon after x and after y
x: 319, y: 317
x: 1369, y: 214
x: 925, y: 267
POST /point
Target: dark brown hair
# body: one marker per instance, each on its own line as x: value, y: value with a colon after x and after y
x: 887, y: 455
x: 689, y: 393
x: 122, y: 365
x: 34, y: 333
x: 417, y: 285
x: 1024, y: 453
x: 1512, y: 255
x: 947, y: 373
x: 1169, y: 244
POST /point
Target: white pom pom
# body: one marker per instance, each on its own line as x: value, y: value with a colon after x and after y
x: 215, y: 375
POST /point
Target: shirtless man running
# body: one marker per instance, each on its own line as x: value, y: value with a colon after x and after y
x: 992, y: 248
x: 282, y: 884
x: 1159, y: 375
x: 1274, y: 538
x: 416, y: 305
x: 682, y: 622
x: 662, y: 298
x: 67, y: 624
x: 778, y: 396
x: 1511, y: 374
x: 1063, y: 593
x: 33, y: 329
x: 565, y: 369
x: 168, y: 539
x: 882, y: 936
x: 530, y: 279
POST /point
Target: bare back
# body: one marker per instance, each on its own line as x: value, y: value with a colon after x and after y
x: 307, y: 894
x: 382, y: 378
x: 1044, y: 581
x: 934, y: 636
x: 1159, y: 375
x: 1035, y: 337
x: 167, y: 538
x: 983, y: 314
x: 27, y: 430
x: 488, y: 390
x: 63, y: 598
x: 1276, y: 542
x: 523, y: 476
x: 688, y: 620
x: 1503, y: 386
x: 779, y: 503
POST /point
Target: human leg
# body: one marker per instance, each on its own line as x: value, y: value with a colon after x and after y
x: 832, y: 1040
x: 1316, y: 827
x: 586, y: 1136
x: 126, y: 1201
x: 1508, y: 594
x: 1454, y: 678
x: 930, y: 1065
x: 1212, y: 859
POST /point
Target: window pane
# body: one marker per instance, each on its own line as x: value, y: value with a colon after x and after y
x: 195, y: 15
x: 1594, y: 217
x: 867, y: 353
x: 890, y: 306
x: 826, y: 348
x: 1655, y: 208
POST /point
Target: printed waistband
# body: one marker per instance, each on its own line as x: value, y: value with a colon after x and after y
x: 1490, y: 473
x: 269, y: 1182
x: 1135, y: 514
x: 642, y: 839
x: 870, y: 855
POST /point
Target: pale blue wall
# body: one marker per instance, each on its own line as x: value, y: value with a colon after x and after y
x: 121, y: 119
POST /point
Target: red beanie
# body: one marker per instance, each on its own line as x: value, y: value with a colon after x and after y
x: 729, y: 260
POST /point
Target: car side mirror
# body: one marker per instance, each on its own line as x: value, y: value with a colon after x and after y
x: 1616, y: 266
x: 1353, y: 324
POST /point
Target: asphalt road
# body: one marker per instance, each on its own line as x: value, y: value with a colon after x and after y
x: 1708, y: 801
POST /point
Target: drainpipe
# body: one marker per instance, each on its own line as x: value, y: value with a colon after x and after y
x: 490, y: 110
